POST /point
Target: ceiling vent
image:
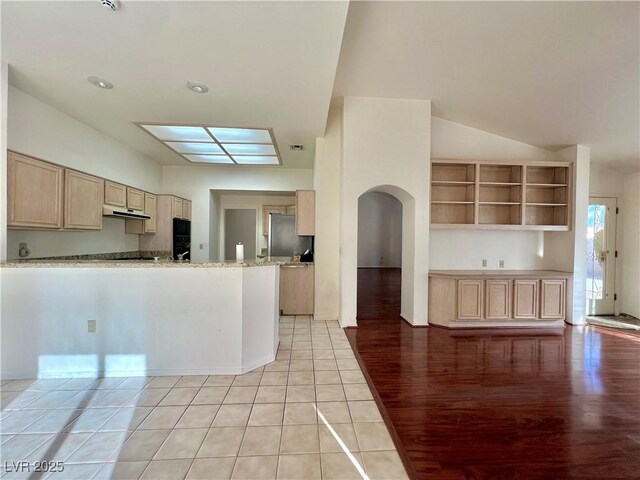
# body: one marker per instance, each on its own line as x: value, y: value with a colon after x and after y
x: 296, y: 146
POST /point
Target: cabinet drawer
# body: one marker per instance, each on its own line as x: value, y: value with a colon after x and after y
x: 470, y: 299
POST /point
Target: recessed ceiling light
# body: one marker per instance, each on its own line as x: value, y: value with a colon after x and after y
x: 197, y: 87
x: 179, y: 133
x: 202, y: 148
x: 111, y: 4
x: 100, y: 83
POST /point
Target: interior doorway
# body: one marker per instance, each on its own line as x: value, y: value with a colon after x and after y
x: 239, y: 227
x: 379, y: 256
x: 601, y: 256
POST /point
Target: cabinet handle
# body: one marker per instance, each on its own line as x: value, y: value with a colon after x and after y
x: 295, y: 266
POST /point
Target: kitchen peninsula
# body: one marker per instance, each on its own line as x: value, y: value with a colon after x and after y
x: 147, y: 318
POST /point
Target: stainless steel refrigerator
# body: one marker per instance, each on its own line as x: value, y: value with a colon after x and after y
x: 283, y: 241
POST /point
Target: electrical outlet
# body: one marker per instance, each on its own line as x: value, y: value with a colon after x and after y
x: 484, y: 262
x: 501, y: 263
x: 91, y: 326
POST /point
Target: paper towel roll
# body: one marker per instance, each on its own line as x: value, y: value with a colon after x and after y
x: 239, y: 252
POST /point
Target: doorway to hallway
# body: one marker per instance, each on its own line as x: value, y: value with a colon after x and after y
x: 379, y: 256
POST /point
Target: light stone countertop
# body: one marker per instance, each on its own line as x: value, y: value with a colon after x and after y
x: 139, y: 264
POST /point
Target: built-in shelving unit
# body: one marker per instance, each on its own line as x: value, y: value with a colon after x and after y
x: 524, y: 196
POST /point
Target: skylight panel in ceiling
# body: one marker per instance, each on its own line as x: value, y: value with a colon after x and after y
x: 240, y: 135
x: 206, y: 144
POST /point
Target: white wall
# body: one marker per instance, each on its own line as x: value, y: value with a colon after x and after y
x: 631, y: 245
x: 566, y: 251
x: 111, y: 238
x: 464, y: 249
x: 150, y: 321
x: 35, y: 128
x: 326, y: 181
x: 605, y: 182
x: 379, y: 230
x: 4, y: 98
x: 386, y: 145
x: 252, y: 201
x: 196, y: 182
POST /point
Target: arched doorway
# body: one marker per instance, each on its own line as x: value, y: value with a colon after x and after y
x: 379, y: 256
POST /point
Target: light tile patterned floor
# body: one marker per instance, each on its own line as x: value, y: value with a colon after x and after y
x: 308, y: 415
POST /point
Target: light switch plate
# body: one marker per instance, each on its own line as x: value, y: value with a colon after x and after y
x: 91, y: 326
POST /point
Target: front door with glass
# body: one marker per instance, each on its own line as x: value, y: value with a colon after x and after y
x: 601, y: 234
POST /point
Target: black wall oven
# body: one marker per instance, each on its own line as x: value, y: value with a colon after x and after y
x: 181, y: 238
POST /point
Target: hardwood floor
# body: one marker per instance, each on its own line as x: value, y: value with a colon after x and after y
x: 500, y: 404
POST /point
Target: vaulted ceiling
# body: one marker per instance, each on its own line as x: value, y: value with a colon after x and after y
x: 549, y: 74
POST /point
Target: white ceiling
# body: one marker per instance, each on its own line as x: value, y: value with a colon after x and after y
x: 267, y: 64
x: 549, y: 74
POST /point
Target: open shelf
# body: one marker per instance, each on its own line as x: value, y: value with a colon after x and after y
x: 452, y: 213
x: 484, y: 195
x: 500, y: 214
x: 458, y: 172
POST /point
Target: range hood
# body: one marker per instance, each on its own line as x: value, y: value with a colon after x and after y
x: 111, y: 211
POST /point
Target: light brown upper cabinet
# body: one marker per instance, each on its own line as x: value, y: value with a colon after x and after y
x: 186, y: 209
x: 135, y: 199
x: 83, y: 197
x: 115, y: 194
x: 35, y: 192
x: 291, y: 209
x: 176, y: 210
x: 305, y: 212
x: 266, y: 210
x: 145, y: 226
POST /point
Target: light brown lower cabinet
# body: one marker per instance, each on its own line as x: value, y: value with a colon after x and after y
x: 470, y: 299
x: 498, y: 299
x: 525, y: 299
x: 296, y: 289
x: 552, y: 298
x: 83, y: 197
x: 459, y: 298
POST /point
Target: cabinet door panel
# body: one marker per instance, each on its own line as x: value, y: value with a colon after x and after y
x: 552, y: 293
x: 296, y: 289
x: 525, y: 299
x: 470, y: 299
x: 176, y: 211
x: 151, y: 209
x: 35, y: 191
x: 498, y: 299
x: 83, y: 197
x: 186, y: 209
x: 135, y: 199
x: 305, y: 212
x: 115, y: 194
